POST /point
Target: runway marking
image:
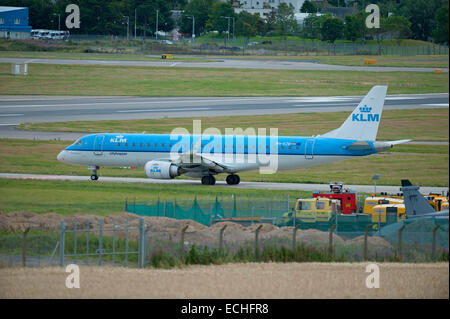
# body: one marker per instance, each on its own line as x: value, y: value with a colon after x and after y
x: 9, y: 124
x: 11, y: 114
x: 162, y: 110
x: 138, y: 102
x: 437, y: 104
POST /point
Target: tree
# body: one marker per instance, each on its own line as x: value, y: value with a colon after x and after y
x: 285, y: 21
x: 200, y: 9
x: 308, y: 7
x: 248, y: 24
x: 421, y: 13
x: 440, y: 32
x: 398, y: 26
x: 354, y: 27
x: 332, y: 29
x: 311, y: 26
x: 216, y: 20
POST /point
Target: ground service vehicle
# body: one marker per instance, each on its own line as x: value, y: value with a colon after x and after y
x: 371, y: 202
x: 347, y: 198
x: 313, y: 210
x: 388, y: 213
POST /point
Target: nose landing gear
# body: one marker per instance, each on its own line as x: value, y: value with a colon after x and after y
x: 94, y: 175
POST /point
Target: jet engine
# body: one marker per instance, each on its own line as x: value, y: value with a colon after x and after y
x: 161, y: 170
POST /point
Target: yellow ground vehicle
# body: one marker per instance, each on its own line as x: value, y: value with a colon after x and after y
x: 438, y: 202
x: 380, y: 212
x: 313, y: 210
x: 371, y: 202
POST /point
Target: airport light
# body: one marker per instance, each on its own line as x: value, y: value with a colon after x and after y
x: 193, y: 25
x: 375, y: 178
x: 228, y: 40
x: 59, y: 20
x: 128, y: 26
x: 156, y: 32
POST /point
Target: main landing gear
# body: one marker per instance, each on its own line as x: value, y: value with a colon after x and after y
x: 94, y: 175
x: 233, y: 179
x: 208, y: 180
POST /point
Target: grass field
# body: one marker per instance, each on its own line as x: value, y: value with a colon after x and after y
x: 103, y: 198
x: 415, y: 124
x: 167, y: 81
x: 429, y: 61
x: 233, y: 281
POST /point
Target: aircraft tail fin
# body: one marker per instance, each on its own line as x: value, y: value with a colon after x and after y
x: 362, y: 124
x: 415, y: 203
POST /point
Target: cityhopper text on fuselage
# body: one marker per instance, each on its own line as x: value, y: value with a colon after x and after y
x: 206, y: 154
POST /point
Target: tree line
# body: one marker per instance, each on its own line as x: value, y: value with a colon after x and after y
x: 415, y: 19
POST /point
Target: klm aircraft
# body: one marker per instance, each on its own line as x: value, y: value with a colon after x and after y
x: 165, y: 156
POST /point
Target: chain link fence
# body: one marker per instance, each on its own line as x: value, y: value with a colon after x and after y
x: 261, y: 47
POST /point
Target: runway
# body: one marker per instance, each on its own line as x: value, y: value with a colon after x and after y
x: 281, y: 64
x: 15, y: 110
x: 243, y: 185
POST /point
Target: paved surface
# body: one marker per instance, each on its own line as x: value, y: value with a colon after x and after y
x: 244, y: 185
x: 15, y: 110
x: 227, y: 63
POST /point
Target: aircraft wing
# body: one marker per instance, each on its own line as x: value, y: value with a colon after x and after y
x: 196, y: 161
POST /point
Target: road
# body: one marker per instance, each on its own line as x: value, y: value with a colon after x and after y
x: 15, y: 110
x: 227, y: 63
x: 243, y: 185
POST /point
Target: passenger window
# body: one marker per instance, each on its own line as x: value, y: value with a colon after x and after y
x: 140, y: 144
x: 126, y: 144
x: 132, y: 144
x: 148, y: 144
x: 118, y: 144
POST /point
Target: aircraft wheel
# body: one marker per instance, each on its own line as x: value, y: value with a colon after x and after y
x: 233, y: 179
x: 94, y: 177
x: 208, y: 180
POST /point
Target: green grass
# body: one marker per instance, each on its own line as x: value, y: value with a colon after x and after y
x: 416, y: 124
x: 425, y: 165
x: 166, y: 81
x: 101, y: 198
x: 94, y: 56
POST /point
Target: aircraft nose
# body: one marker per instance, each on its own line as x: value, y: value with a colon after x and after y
x: 60, y: 156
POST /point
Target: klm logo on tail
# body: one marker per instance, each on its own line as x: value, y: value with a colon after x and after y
x: 365, y: 115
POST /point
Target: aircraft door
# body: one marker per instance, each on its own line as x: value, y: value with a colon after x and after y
x: 98, y: 144
x: 309, y: 149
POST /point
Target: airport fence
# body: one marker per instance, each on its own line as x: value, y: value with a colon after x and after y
x: 167, y: 242
x: 240, y: 46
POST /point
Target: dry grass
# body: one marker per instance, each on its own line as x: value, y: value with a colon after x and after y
x: 252, y: 280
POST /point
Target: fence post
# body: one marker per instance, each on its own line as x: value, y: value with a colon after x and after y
x: 24, y: 246
x: 433, y: 245
x: 182, y: 243
x: 126, y: 205
x: 294, y: 239
x: 365, y: 241
x: 100, y: 242
x: 256, y: 242
x: 400, y: 241
x: 221, y: 237
x: 61, y: 243
x: 330, y: 240
x: 141, y: 257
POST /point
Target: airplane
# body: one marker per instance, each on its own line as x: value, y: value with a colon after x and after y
x: 165, y: 156
x: 416, y: 205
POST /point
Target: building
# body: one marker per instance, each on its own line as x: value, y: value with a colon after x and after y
x: 264, y: 7
x: 14, y: 23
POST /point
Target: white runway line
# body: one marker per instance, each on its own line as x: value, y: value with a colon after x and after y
x: 165, y: 110
x: 11, y: 114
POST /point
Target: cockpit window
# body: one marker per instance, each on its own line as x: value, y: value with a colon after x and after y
x: 78, y: 142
